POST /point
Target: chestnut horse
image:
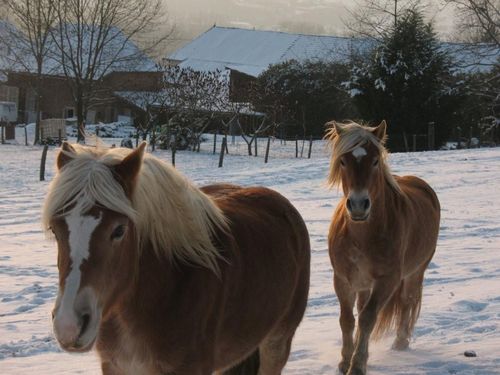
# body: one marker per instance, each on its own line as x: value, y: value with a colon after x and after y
x: 382, y: 237
x: 167, y: 278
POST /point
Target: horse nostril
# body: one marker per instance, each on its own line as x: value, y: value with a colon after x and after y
x: 85, y: 323
x: 348, y: 204
x: 366, y: 204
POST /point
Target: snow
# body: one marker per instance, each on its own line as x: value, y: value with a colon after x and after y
x: 252, y: 51
x: 461, y: 303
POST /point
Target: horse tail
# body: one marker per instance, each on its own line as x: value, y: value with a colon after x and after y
x: 249, y: 366
x: 391, y: 315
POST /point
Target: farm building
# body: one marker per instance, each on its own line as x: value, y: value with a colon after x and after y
x: 57, y: 98
x: 131, y: 72
x: 247, y: 53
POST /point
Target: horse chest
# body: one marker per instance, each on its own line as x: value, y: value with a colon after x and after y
x: 354, y: 266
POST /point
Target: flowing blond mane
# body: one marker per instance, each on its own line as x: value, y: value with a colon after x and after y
x: 169, y: 212
x: 354, y: 135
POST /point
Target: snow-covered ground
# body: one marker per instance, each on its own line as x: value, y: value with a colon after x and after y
x: 461, y: 304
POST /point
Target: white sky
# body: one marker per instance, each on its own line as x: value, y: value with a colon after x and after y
x: 313, y: 16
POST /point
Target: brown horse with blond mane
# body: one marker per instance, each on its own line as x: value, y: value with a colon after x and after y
x: 382, y: 237
x: 167, y: 278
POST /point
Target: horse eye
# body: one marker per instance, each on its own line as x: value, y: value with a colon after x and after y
x: 118, y: 232
x: 375, y: 162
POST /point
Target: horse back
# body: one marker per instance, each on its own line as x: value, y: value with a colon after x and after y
x: 421, y: 213
x: 265, y: 270
x: 421, y: 199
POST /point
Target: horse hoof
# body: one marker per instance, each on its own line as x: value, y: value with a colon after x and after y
x: 401, y: 344
x: 344, y: 367
x: 356, y: 371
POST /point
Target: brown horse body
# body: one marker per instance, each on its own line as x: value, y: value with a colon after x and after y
x: 381, y: 239
x: 163, y: 315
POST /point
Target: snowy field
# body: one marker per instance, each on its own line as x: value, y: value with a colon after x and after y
x: 461, y: 303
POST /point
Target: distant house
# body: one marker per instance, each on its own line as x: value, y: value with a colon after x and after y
x: 137, y: 73
x: 247, y: 53
x: 57, y: 97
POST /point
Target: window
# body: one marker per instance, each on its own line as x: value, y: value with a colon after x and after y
x: 69, y: 112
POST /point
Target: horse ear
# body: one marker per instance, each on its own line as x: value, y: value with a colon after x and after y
x: 334, y: 129
x: 380, y: 131
x: 338, y: 128
x: 65, y: 155
x: 129, y: 168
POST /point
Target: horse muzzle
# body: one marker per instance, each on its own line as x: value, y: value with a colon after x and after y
x: 76, y: 327
x: 358, y: 206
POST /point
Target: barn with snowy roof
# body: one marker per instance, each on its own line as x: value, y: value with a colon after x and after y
x: 246, y: 53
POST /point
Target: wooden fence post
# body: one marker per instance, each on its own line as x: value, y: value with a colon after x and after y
x: 42, y: 162
x: 255, y: 147
x: 174, y: 149
x: 215, y: 142
x: 310, y: 147
x: 222, y: 149
x: 225, y: 144
x: 296, y: 146
x: 153, y: 139
x: 430, y: 136
x: 25, y: 136
x: 267, y: 149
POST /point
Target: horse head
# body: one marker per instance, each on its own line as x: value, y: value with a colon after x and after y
x: 357, y: 164
x: 96, y: 242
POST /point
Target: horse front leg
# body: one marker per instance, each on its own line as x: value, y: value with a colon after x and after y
x: 346, y: 297
x: 381, y: 293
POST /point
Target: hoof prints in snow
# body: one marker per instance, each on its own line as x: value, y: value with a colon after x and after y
x: 461, y: 303
x: 35, y: 345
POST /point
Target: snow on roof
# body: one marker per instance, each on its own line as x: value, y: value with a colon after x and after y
x: 6, y: 54
x: 146, y: 99
x: 472, y: 58
x: 120, y: 53
x: 252, y: 51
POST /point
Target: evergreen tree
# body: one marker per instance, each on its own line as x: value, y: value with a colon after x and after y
x: 405, y: 81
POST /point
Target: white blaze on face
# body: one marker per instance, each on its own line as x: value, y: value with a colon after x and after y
x: 80, y: 229
x: 358, y: 153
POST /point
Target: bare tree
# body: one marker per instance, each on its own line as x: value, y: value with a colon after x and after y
x: 29, y: 43
x: 94, y: 37
x: 374, y: 18
x: 479, y: 20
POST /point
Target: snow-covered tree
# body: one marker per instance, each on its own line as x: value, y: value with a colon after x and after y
x: 406, y: 81
x: 306, y: 94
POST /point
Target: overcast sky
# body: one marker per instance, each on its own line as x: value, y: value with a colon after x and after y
x: 307, y: 16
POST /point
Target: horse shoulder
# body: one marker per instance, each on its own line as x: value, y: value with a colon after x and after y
x: 419, y: 192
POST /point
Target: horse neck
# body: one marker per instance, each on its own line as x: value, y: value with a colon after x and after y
x: 384, y: 203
